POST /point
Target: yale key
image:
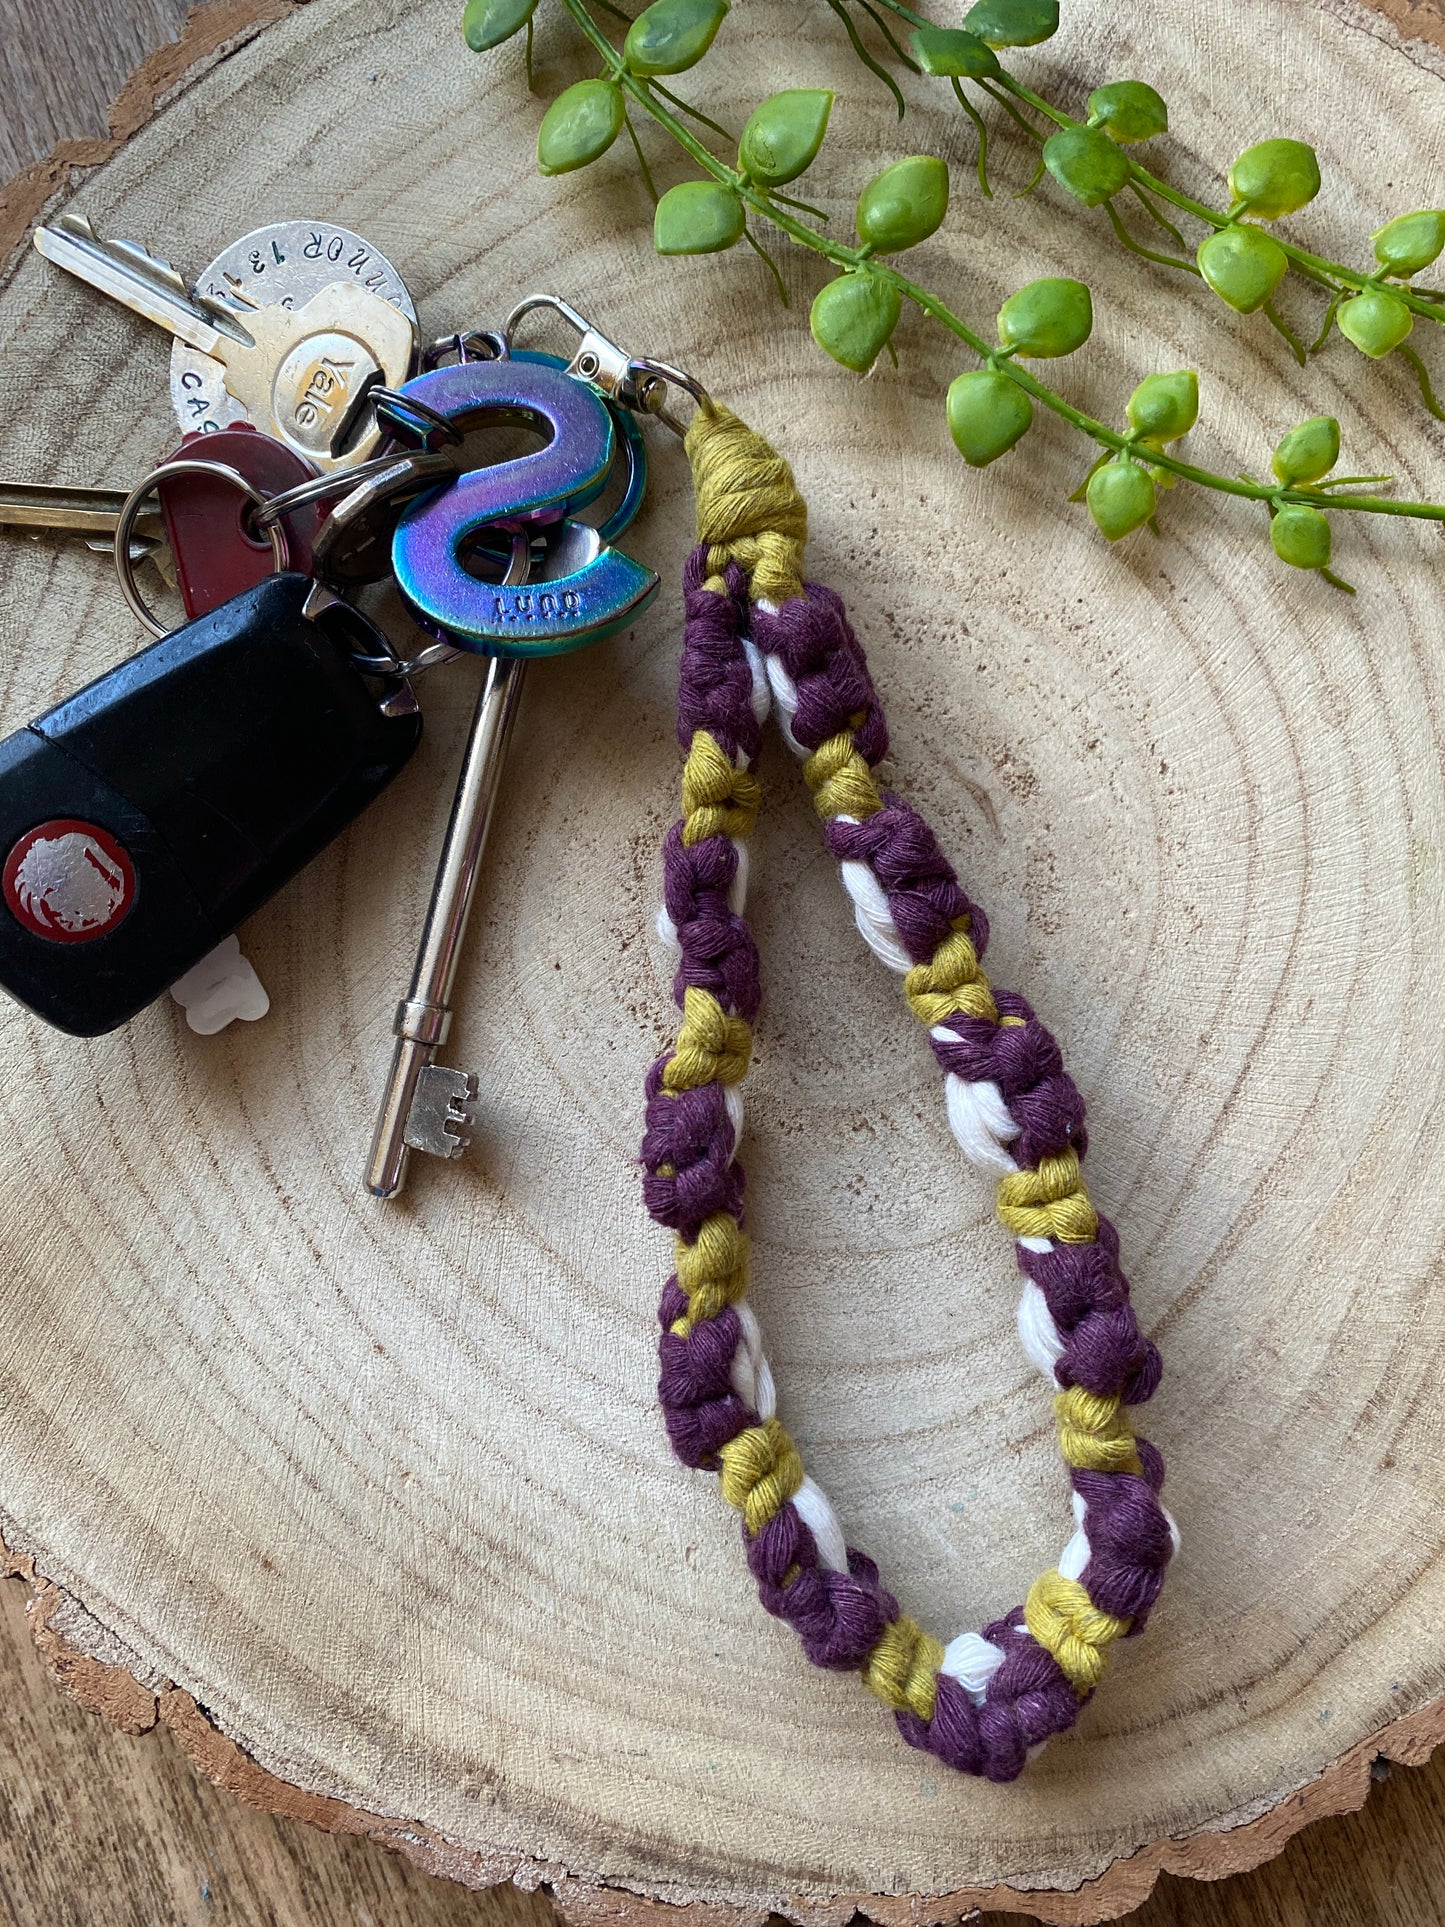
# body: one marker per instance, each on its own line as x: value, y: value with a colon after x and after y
x: 300, y: 374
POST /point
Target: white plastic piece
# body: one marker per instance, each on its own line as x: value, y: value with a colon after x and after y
x: 221, y: 988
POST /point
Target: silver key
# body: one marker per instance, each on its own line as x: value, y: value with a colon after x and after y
x: 426, y: 1105
x: 300, y: 374
x: 442, y: 1111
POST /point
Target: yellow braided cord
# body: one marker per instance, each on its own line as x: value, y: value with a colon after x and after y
x: 952, y: 983
x: 718, y: 799
x: 841, y: 781
x: 761, y: 1470
x: 1065, y: 1622
x: 1093, y: 1432
x: 711, y: 1046
x: 712, y: 1270
x: 902, y: 1668
x: 749, y: 510
x: 1049, y: 1201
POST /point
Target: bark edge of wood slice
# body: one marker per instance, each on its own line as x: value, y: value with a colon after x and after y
x: 149, y: 1365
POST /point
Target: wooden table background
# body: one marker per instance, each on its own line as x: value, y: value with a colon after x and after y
x: 95, y: 1825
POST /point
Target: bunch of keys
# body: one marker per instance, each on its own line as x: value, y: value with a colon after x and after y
x: 144, y: 818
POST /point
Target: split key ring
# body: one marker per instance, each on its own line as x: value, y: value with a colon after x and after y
x: 130, y: 511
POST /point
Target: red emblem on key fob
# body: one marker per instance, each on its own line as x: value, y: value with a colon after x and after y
x: 69, y: 881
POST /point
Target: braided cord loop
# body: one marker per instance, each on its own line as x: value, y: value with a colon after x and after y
x: 756, y: 635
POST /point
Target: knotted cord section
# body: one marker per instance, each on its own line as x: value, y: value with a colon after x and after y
x: 749, y: 511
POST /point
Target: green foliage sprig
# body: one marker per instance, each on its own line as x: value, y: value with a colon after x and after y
x: 1375, y: 309
x: 854, y: 315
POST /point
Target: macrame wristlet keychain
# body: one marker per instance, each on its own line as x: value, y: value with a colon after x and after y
x: 756, y: 635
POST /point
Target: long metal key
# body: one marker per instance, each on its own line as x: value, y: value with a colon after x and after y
x: 427, y: 1106
x: 301, y: 374
x: 45, y: 508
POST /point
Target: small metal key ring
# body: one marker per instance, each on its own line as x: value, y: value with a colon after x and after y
x: 320, y: 488
x: 652, y: 390
x: 181, y: 465
x: 470, y: 344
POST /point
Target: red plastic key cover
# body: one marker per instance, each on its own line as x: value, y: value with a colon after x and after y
x: 208, y: 519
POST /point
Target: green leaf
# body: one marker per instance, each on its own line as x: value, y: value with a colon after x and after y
x: 1375, y: 321
x: 1243, y: 266
x: 487, y: 23
x: 853, y: 317
x: 672, y: 35
x: 1013, y: 23
x: 580, y: 125
x: 1411, y: 241
x: 1129, y: 110
x: 1047, y: 318
x: 1275, y: 177
x: 783, y: 135
x: 697, y: 217
x: 953, y: 52
x: 1121, y: 498
x: 1087, y: 163
x: 1307, y: 452
x: 904, y: 204
x: 1301, y: 536
x: 1164, y: 407
x: 987, y: 414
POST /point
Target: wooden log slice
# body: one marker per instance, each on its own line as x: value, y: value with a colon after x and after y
x: 371, y: 1502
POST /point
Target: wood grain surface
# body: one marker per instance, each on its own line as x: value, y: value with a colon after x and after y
x: 1348, y: 1640
x: 62, y: 66
x: 92, y: 1811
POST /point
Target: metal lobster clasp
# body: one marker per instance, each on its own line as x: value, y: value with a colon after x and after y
x: 635, y: 382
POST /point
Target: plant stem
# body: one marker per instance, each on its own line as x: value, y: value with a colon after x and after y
x: 703, y: 120
x: 863, y: 54
x: 981, y: 129
x: 855, y: 257
x: 647, y: 179
x: 1422, y: 375
x: 1127, y: 240
x: 1281, y: 327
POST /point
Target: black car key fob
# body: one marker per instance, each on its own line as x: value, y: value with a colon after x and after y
x: 144, y: 818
